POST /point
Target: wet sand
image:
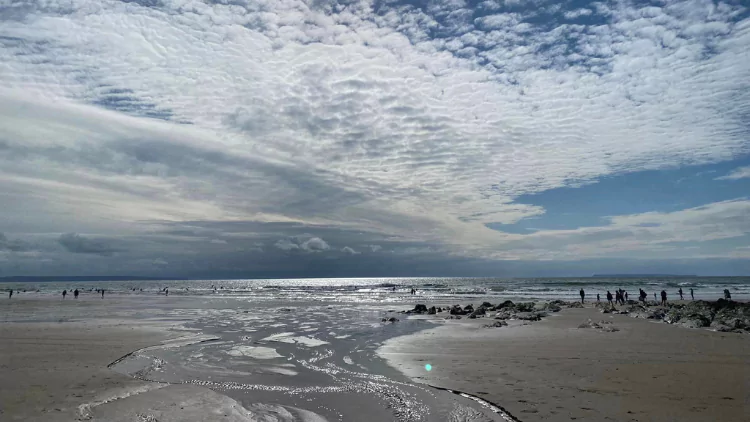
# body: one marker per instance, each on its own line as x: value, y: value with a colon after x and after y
x: 232, y: 360
x: 552, y: 370
x: 48, y: 370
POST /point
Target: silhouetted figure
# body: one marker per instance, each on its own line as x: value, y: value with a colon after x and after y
x: 618, y: 296
x: 727, y: 295
x: 609, y: 298
x: 102, y: 293
x: 75, y: 293
x: 692, y: 294
x: 642, y: 295
x: 413, y: 291
x: 597, y: 297
x: 583, y: 295
x: 654, y: 296
x: 680, y: 292
x: 663, y: 298
x: 626, y: 296
x: 10, y: 294
x: 166, y: 291
x: 65, y: 292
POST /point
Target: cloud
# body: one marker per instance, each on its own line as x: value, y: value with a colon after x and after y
x: 286, y: 245
x: 736, y: 174
x: 315, y: 244
x: 412, y: 124
x: 645, y: 235
x: 304, y: 243
x: 349, y: 251
x: 75, y: 243
x: 13, y: 245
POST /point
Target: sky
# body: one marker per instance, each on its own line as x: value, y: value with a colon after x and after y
x: 374, y: 138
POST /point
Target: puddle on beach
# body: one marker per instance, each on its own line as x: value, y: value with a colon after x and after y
x: 309, y: 364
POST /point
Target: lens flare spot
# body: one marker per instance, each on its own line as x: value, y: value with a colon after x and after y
x: 428, y: 367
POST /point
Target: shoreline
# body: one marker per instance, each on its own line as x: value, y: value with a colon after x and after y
x: 572, y: 365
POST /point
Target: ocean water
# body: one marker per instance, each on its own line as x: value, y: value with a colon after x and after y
x: 398, y: 290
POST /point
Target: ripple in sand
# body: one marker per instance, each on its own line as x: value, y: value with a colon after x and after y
x: 292, y: 339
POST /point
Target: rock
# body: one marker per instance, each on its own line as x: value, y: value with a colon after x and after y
x: 390, y: 320
x: 420, y: 309
x: 453, y: 317
x: 525, y: 307
x: 506, y: 304
x: 575, y: 305
x: 432, y: 311
x: 550, y: 307
x: 439, y: 309
x: 477, y: 313
x: 456, y: 310
x: 605, y: 326
x: 695, y: 321
x: 529, y: 316
x: 502, y: 315
x: 496, y: 324
x: 589, y: 324
x: 469, y: 308
x: 553, y: 307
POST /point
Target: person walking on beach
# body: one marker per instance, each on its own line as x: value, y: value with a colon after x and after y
x: 65, y: 292
x: 642, y: 296
x: 663, y: 298
x: 609, y: 298
x: 583, y: 295
x: 692, y: 295
x: 680, y: 292
x: 654, y: 296
x: 597, y: 298
x: 75, y: 293
x: 727, y: 295
x: 10, y: 294
x: 626, y: 296
x: 102, y: 293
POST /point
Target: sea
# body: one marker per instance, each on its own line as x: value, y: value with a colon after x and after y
x: 399, y: 290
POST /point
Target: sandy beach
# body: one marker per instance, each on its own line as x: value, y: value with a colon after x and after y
x: 551, y: 370
x: 49, y: 370
x: 317, y: 363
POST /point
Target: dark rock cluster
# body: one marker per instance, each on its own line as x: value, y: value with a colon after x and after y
x: 525, y: 311
x: 721, y: 315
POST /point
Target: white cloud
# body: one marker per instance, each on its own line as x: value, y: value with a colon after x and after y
x: 339, y: 116
x: 349, y: 251
x: 303, y: 243
x: 315, y: 244
x: 736, y: 174
x: 286, y: 245
x: 573, y: 14
x: 646, y: 235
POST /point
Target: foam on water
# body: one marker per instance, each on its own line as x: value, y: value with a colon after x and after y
x: 254, y: 352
